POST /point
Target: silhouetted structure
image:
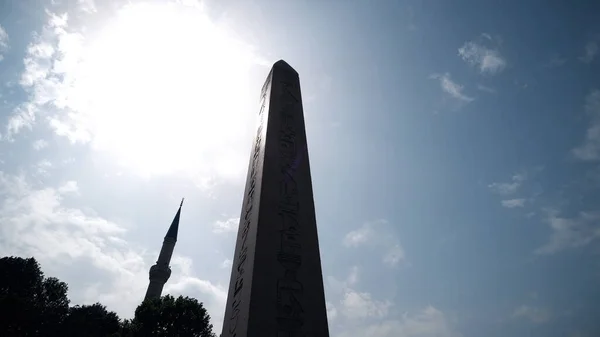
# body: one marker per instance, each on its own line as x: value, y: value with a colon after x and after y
x: 160, y: 272
x: 276, y: 286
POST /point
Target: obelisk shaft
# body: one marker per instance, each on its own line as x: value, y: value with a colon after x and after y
x: 276, y: 286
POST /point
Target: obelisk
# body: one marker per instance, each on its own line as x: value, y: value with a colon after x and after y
x: 276, y: 286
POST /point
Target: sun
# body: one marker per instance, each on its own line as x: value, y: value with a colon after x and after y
x: 164, y: 89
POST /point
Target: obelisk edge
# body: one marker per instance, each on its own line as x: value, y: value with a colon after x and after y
x: 281, y: 64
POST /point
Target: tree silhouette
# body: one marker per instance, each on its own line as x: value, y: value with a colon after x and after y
x: 34, y: 305
x: 30, y: 305
x: 168, y: 316
x: 92, y: 320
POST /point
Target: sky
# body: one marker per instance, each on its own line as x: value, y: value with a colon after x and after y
x: 454, y: 149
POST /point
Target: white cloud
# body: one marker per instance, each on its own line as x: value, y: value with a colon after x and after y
x: 359, y: 236
x: 88, y: 6
x: 3, y: 42
x: 87, y: 251
x: 39, y: 144
x: 335, y: 286
x: 37, y: 78
x: 331, y: 311
x: 590, y: 52
x: 510, y: 187
x: 452, y: 88
x: 38, y: 60
x: 69, y: 187
x: 394, y: 255
x: 590, y: 149
x: 486, y: 59
x: 183, y: 282
x: 512, y: 203
x: 536, y: 315
x: 429, y: 322
x: 555, y: 61
x: 486, y: 89
x: 569, y: 233
x: 226, y: 226
x: 353, y: 276
x: 43, y: 167
x: 71, y: 77
x: 22, y: 117
x: 379, y: 235
x: 227, y: 263
x: 191, y: 3
x: 361, y: 305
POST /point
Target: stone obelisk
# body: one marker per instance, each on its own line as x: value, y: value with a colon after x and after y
x: 276, y: 286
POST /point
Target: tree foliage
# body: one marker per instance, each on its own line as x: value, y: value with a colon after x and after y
x: 30, y: 305
x: 94, y: 319
x: 34, y: 305
x: 168, y: 316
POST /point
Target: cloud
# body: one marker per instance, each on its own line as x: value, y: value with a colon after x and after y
x: 331, y: 311
x: 351, y: 305
x: 88, y: 6
x: 37, y: 78
x: 512, y: 203
x: 38, y: 60
x: 356, y: 305
x: 394, y: 255
x: 380, y: 235
x: 39, y: 144
x: 590, y: 149
x: 555, y: 61
x: 486, y: 89
x: 534, y: 314
x: 85, y: 250
x: 359, y: 236
x: 70, y: 186
x: 510, y: 187
x: 227, y: 263
x: 183, y: 282
x: 22, y: 117
x: 336, y: 286
x: 570, y: 233
x: 487, y: 60
x: 452, y: 88
x: 429, y: 322
x: 42, y: 167
x: 353, y: 276
x: 590, y: 52
x: 226, y: 226
x: 3, y: 42
x: 70, y: 77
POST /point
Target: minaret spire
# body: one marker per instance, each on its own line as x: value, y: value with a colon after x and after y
x: 160, y: 272
x: 172, y: 232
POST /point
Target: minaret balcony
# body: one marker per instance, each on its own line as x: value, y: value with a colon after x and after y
x: 159, y: 272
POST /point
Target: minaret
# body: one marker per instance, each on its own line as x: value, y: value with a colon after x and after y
x: 160, y: 272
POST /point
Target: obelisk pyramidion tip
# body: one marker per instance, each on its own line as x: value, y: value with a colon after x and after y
x: 281, y: 64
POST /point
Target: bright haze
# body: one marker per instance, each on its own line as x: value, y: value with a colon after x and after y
x: 454, y: 148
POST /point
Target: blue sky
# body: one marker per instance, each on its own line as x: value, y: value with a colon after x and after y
x: 455, y: 151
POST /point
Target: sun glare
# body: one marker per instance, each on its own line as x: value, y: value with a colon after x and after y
x: 164, y: 89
